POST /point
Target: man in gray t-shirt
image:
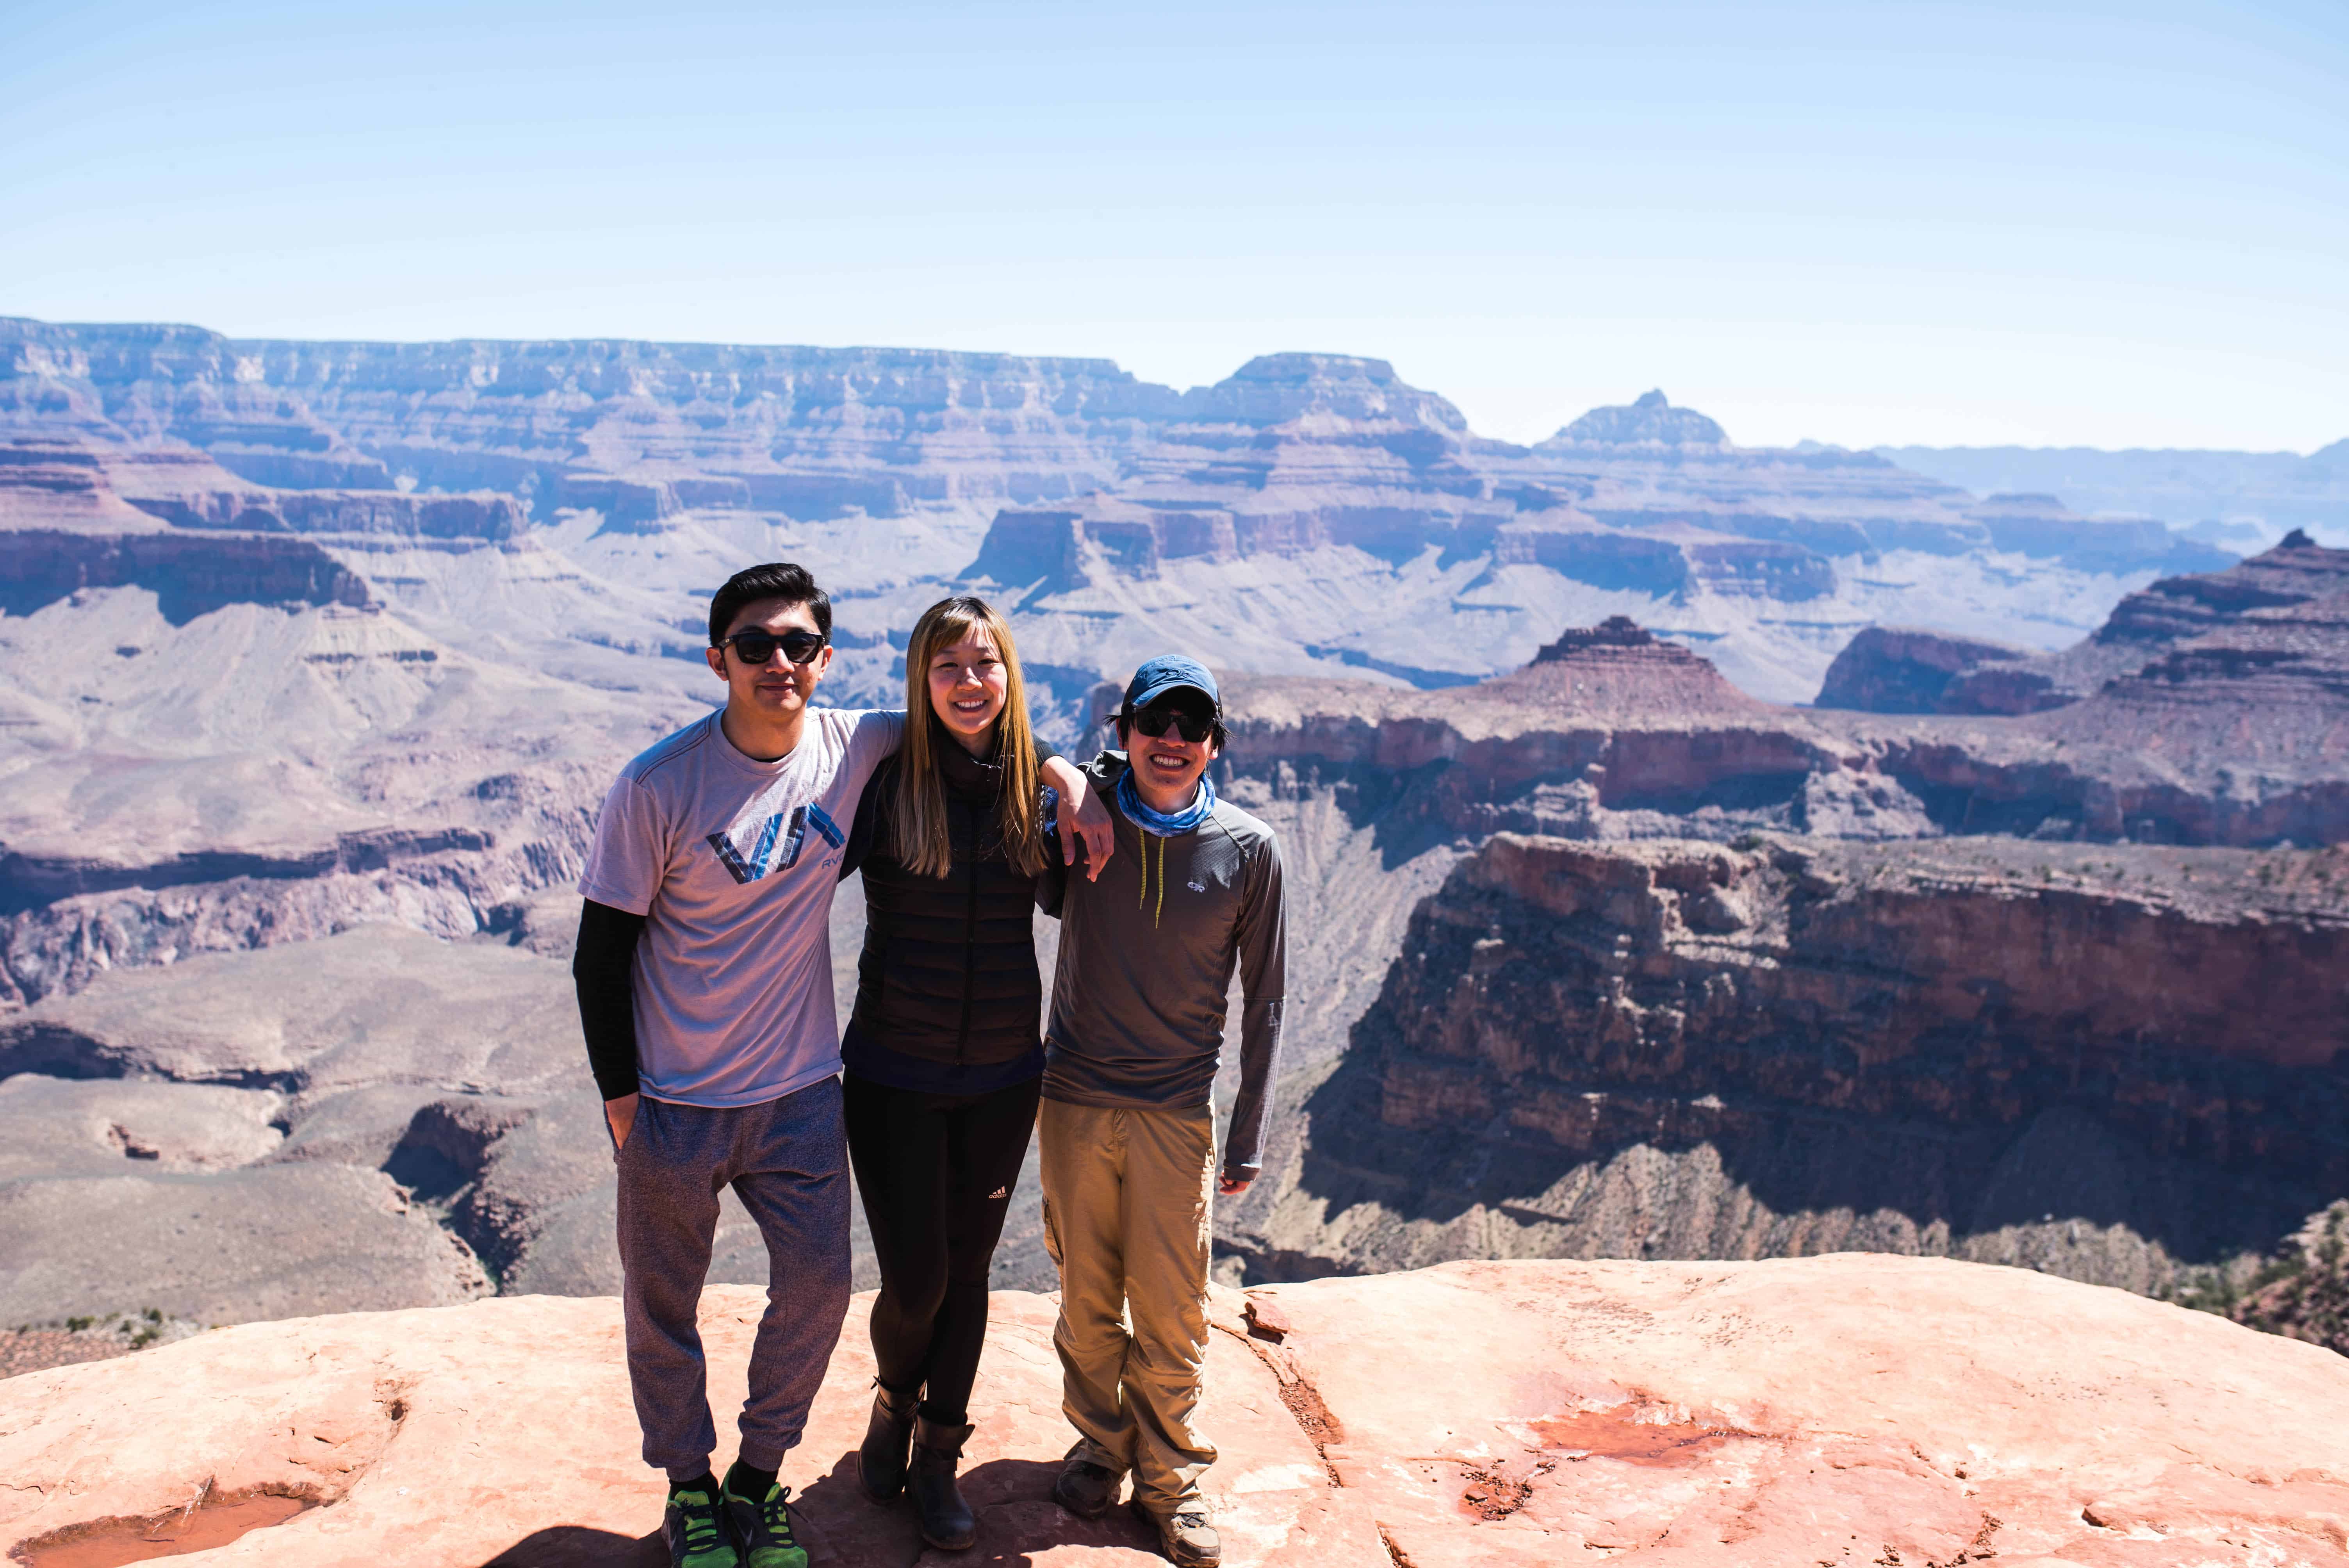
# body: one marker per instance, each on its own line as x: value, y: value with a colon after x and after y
x: 704, y: 972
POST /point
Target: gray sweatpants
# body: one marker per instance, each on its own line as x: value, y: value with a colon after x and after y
x: 787, y: 1161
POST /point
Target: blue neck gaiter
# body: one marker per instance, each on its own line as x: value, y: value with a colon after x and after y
x: 1163, y: 824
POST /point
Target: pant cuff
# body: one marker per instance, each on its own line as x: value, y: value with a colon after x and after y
x: 687, y: 1472
x: 1093, y: 1453
x: 763, y: 1456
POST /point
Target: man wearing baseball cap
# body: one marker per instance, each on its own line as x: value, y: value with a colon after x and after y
x: 1126, y: 1129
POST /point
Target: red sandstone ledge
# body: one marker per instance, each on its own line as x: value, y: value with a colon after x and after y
x: 1855, y: 1409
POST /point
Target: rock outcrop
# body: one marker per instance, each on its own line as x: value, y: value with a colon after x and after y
x: 1988, y: 1050
x: 1889, y: 670
x: 1832, y: 1409
x: 65, y: 528
x: 1908, y: 669
x: 2308, y: 1298
x: 1650, y: 420
x: 2237, y: 735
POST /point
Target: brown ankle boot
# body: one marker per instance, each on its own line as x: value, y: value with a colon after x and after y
x: 947, y: 1521
x: 881, y: 1461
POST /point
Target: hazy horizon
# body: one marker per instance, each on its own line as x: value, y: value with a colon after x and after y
x: 1869, y: 225
x: 1017, y: 353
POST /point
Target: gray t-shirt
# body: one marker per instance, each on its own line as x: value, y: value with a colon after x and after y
x: 733, y: 862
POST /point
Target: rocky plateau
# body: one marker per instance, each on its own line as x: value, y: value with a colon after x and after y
x: 1845, y: 1410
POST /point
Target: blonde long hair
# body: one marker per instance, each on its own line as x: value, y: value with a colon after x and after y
x: 922, y: 845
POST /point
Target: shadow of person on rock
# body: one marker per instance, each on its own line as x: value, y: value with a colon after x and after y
x: 839, y: 1524
x: 1018, y: 1521
x: 842, y: 1528
x: 581, y: 1546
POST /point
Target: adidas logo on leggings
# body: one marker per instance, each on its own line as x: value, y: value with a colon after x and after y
x: 998, y: 1193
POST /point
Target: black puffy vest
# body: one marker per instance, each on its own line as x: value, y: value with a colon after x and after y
x: 948, y: 970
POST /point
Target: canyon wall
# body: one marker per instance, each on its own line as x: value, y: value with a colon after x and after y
x: 2102, y: 1068
x: 1282, y: 511
x: 305, y: 640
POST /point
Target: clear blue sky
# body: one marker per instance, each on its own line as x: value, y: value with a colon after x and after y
x: 2126, y: 225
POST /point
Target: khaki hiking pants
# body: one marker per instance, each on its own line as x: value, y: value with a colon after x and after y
x: 1126, y: 1204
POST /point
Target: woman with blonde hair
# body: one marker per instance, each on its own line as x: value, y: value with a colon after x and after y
x: 943, y: 1053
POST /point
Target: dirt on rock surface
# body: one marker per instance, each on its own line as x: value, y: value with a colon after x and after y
x: 1844, y: 1409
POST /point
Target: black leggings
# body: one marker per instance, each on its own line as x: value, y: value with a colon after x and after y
x: 936, y: 1171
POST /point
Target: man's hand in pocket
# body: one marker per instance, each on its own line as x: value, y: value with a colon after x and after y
x: 620, y: 1115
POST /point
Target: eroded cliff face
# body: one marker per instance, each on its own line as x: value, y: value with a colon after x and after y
x: 814, y: 432
x: 2199, y: 616
x: 1904, y: 669
x: 188, y: 577
x: 2238, y: 735
x: 272, y: 769
x: 1284, y: 512
x: 2104, y: 1063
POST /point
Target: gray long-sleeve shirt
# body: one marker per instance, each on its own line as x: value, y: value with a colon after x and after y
x: 1146, y: 957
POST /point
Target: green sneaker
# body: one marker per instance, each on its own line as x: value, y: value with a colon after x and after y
x: 697, y: 1533
x: 763, y: 1526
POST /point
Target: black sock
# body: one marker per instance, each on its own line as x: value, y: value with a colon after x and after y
x: 747, y: 1481
x: 704, y: 1483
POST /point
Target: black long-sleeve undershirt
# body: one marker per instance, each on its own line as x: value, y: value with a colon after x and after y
x: 601, y: 971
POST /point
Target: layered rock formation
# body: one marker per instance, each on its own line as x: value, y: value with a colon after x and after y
x: 302, y: 637
x: 2016, y: 1052
x: 65, y: 528
x: 2261, y: 602
x: 1908, y: 669
x: 1284, y: 512
x: 813, y: 432
x: 1649, y: 420
x: 260, y: 774
x: 2072, y: 1049
x: 1837, y: 1409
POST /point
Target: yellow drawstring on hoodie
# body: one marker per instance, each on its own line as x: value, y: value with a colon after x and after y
x: 1145, y: 896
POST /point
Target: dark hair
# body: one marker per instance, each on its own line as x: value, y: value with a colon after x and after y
x: 776, y: 580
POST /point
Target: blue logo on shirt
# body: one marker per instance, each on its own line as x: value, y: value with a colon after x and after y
x: 780, y: 840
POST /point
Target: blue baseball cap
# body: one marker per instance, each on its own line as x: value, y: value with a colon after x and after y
x: 1169, y: 672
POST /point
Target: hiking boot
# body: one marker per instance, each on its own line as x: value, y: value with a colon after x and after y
x: 695, y: 1528
x: 881, y: 1461
x: 1184, y: 1535
x: 1084, y: 1488
x: 763, y: 1526
x: 947, y: 1520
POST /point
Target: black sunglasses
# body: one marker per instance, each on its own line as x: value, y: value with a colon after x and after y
x: 1155, y: 721
x: 756, y: 647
